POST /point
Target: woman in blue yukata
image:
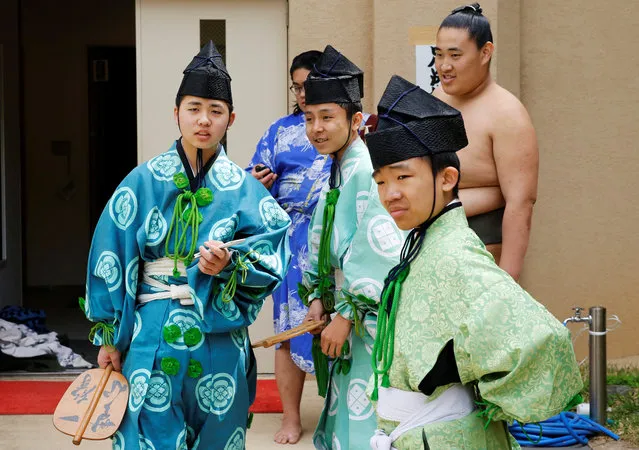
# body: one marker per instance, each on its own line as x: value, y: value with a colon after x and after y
x: 175, y: 322
x: 288, y: 165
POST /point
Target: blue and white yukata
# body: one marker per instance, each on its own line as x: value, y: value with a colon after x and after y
x: 187, y: 356
x: 301, y: 174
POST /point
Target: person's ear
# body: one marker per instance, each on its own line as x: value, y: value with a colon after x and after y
x: 175, y: 115
x: 487, y: 52
x: 231, y: 120
x: 358, y: 118
x: 449, y: 177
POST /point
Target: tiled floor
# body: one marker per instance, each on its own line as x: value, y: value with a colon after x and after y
x: 37, y: 432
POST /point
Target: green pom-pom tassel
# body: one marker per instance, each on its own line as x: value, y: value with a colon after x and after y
x: 332, y: 196
x: 374, y: 395
x: 171, y: 333
x: 386, y: 381
x: 180, y: 180
x: 195, y: 369
x: 203, y: 196
x: 192, y: 336
x: 170, y: 366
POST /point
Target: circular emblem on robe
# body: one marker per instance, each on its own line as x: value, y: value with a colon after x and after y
x: 155, y: 227
x: 348, y: 168
x: 359, y: 407
x: 384, y: 237
x: 109, y: 269
x: 137, y: 326
x: 164, y: 166
x: 224, y: 230
x: 131, y: 279
x: 252, y: 311
x: 334, y: 393
x: 138, y: 385
x: 228, y: 309
x: 226, y: 176
x: 267, y: 256
x: 118, y: 441
x: 319, y: 441
x: 239, y: 338
x: 273, y: 216
x: 368, y: 287
x: 145, y: 444
x: 336, y: 444
x: 316, y: 237
x: 123, y: 207
x: 180, y: 442
x: 158, y: 394
x: 236, y: 441
x: 185, y: 319
x: 215, y: 393
x: 361, y: 203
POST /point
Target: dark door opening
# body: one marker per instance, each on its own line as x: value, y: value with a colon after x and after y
x: 112, y: 122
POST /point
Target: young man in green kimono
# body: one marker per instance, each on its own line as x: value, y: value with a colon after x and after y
x: 461, y: 349
x: 353, y: 243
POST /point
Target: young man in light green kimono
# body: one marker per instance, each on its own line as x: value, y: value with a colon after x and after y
x: 353, y: 243
x: 461, y: 349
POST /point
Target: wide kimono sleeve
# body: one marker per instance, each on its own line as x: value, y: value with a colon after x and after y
x: 372, y: 250
x: 112, y: 269
x: 309, y: 289
x: 233, y: 298
x: 520, y: 356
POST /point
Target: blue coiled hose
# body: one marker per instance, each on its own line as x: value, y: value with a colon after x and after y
x: 563, y: 430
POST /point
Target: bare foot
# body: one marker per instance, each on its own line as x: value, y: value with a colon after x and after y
x: 289, y: 433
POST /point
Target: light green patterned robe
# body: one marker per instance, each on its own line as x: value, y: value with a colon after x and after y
x: 520, y: 355
x: 366, y: 244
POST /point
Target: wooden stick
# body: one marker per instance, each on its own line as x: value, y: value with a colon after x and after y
x: 288, y: 334
x: 224, y: 245
x: 94, y: 403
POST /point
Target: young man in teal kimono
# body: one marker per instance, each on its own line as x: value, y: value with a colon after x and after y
x: 353, y: 243
x: 173, y: 322
x: 461, y: 348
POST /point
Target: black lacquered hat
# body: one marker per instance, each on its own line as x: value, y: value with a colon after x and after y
x: 334, y: 79
x: 206, y: 76
x: 413, y: 123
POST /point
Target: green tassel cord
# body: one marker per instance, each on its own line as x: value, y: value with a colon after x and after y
x: 242, y: 263
x: 357, y: 322
x: 107, y: 331
x: 83, y: 304
x: 383, y: 349
x: 186, y: 218
x: 325, y: 283
x: 320, y: 361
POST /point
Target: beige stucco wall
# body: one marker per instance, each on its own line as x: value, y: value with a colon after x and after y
x: 572, y: 65
x: 579, y: 82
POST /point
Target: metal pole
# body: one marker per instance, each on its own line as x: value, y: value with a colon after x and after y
x: 598, y: 392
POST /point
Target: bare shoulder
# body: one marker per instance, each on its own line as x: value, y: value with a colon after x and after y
x: 507, y: 108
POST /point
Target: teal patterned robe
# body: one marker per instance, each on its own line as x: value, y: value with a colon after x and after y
x: 366, y: 244
x: 202, y: 403
x: 518, y: 354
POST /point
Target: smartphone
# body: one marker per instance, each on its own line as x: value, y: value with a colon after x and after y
x: 260, y: 167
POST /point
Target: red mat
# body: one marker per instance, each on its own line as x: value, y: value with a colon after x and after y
x: 41, y: 397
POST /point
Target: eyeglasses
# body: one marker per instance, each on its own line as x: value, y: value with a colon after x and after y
x: 295, y: 89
